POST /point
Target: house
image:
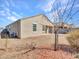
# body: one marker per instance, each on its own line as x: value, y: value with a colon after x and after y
x: 64, y: 28
x: 30, y: 26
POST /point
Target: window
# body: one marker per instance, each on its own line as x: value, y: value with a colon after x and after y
x: 34, y: 27
x: 44, y: 28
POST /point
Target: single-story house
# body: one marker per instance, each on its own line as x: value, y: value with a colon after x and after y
x: 30, y: 26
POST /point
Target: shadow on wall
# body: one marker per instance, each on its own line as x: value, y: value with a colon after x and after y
x: 6, y: 34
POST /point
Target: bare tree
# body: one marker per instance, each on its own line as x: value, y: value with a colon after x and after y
x: 60, y: 17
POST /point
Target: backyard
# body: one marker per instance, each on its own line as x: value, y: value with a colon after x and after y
x: 38, y: 47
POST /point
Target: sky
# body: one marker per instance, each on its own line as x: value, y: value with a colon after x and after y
x: 12, y: 10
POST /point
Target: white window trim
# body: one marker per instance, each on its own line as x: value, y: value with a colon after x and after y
x: 36, y: 27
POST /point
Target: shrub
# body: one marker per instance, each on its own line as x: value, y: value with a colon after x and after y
x: 73, y: 38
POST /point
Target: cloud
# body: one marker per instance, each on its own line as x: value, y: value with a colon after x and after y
x: 7, y: 3
x: 17, y: 15
x: 77, y: 5
x: 7, y: 13
x: 54, y: 16
x: 63, y: 1
x: 47, y: 7
x: 12, y: 18
x: 2, y: 13
x: 10, y: 3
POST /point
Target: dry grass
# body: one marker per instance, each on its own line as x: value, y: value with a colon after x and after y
x: 74, y: 34
x: 73, y: 38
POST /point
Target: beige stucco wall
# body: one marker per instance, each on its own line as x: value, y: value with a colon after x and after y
x: 14, y: 27
x: 24, y: 28
x: 27, y: 29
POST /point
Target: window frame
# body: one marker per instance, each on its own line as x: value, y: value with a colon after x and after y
x: 34, y: 27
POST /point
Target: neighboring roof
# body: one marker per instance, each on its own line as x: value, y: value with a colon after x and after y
x: 25, y: 18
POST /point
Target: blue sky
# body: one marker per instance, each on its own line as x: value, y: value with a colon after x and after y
x: 11, y: 10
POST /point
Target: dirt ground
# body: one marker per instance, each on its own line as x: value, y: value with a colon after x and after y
x: 39, y: 47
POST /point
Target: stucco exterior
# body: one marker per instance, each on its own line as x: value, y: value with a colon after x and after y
x: 15, y: 27
x: 24, y: 26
